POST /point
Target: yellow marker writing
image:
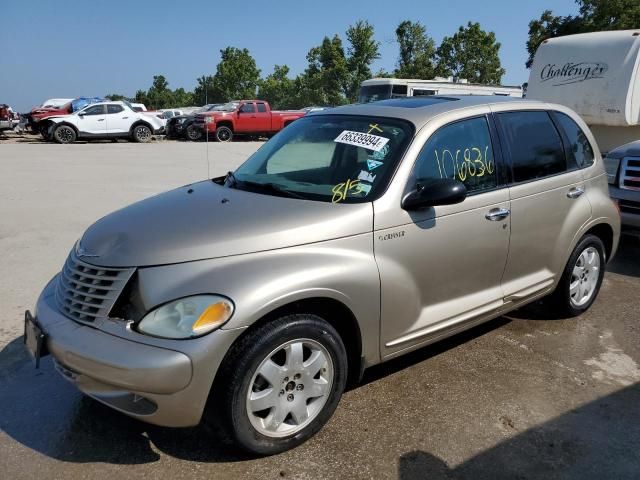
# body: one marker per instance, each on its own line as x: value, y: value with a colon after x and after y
x: 374, y: 126
x: 341, y: 190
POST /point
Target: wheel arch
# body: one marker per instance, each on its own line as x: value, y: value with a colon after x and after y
x: 141, y: 122
x: 337, y: 314
x: 604, y: 232
x: 225, y: 123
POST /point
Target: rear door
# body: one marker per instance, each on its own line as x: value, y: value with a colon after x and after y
x: 548, y: 205
x: 119, y: 119
x: 92, y: 120
x: 263, y: 118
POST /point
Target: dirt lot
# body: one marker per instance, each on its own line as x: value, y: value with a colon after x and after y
x: 520, y: 397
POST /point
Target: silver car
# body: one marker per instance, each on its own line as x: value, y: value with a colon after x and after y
x: 355, y: 235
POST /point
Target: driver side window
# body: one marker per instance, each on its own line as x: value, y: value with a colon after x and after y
x: 461, y: 151
x: 95, y: 110
x: 247, y: 108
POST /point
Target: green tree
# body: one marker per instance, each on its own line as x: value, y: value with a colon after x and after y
x: 204, y: 92
x: 362, y: 52
x: 182, y: 98
x: 471, y: 53
x: 277, y: 88
x: 160, y: 95
x: 326, y: 79
x: 115, y: 97
x: 417, y: 51
x: 237, y: 75
x: 593, y: 16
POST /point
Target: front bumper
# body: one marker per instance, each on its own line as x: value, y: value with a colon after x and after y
x: 629, y: 204
x: 165, y: 385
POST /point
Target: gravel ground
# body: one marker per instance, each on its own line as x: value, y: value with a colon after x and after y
x: 520, y: 397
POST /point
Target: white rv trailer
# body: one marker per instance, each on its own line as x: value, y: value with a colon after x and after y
x: 384, y: 88
x: 595, y: 74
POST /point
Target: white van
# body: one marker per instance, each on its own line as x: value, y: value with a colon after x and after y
x: 598, y: 76
x: 384, y: 88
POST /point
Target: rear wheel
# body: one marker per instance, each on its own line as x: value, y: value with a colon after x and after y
x: 581, y: 279
x: 64, y: 134
x: 224, y: 134
x: 142, y: 134
x: 280, y: 384
x: 192, y: 133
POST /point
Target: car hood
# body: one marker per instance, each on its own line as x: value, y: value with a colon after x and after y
x: 206, y: 220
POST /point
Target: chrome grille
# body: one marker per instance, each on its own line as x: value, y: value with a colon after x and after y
x: 86, y: 292
x: 630, y: 174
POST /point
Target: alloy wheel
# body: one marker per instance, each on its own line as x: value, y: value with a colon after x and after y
x: 584, y: 277
x: 290, y: 388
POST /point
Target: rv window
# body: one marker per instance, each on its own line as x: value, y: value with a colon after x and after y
x: 399, y: 90
x: 579, y: 149
x: 419, y: 93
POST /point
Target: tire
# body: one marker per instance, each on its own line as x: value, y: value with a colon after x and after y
x: 192, y: 133
x: 64, y: 134
x: 272, y: 359
x: 141, y: 134
x: 581, y: 278
x: 224, y: 134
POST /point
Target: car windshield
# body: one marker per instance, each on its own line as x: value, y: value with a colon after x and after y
x: 328, y: 158
x: 226, y: 107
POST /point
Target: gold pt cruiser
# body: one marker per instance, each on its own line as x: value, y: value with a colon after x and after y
x: 355, y: 235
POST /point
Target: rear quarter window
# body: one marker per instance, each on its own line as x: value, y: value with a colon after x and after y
x: 579, y: 150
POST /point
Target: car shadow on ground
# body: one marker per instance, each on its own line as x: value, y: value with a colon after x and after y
x: 595, y: 441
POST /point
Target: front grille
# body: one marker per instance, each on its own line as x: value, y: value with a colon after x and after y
x: 629, y: 206
x: 630, y: 174
x: 86, y: 292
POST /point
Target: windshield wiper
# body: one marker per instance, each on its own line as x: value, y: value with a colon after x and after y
x: 232, y: 177
x: 264, y: 187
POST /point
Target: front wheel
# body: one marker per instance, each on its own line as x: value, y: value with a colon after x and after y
x: 142, y: 134
x: 581, y: 279
x: 64, y: 134
x: 224, y: 134
x: 192, y: 133
x: 281, y: 383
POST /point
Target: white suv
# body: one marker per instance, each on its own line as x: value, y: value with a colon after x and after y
x: 104, y: 120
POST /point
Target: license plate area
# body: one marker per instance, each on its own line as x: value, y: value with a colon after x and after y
x: 34, y: 338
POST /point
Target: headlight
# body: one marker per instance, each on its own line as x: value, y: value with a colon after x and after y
x: 611, y: 166
x: 187, y: 317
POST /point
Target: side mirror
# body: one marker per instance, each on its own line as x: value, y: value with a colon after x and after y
x: 431, y: 192
x: 81, y: 115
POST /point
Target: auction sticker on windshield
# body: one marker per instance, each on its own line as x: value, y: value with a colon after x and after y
x: 365, y: 140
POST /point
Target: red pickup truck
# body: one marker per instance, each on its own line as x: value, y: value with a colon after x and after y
x: 241, y: 117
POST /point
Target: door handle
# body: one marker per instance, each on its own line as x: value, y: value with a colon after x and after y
x: 101, y: 119
x: 124, y: 118
x: 575, y: 192
x: 496, y: 214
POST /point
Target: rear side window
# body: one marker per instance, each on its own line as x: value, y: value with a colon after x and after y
x: 534, y: 144
x: 461, y: 151
x: 114, y: 108
x: 579, y: 149
x: 262, y: 107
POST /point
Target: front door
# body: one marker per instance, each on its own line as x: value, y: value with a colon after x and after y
x: 92, y: 120
x: 246, y: 120
x: 441, y: 267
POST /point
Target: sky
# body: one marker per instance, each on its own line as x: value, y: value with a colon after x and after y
x: 72, y: 48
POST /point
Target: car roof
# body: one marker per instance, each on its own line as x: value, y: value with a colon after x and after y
x: 419, y: 110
